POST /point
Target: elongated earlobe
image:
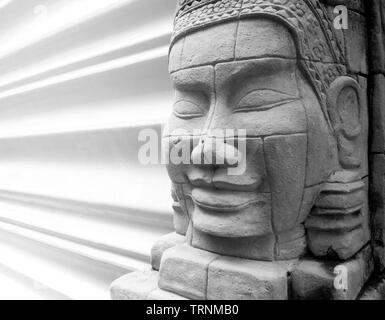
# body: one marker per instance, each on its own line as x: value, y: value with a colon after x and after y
x: 344, y: 99
x: 338, y: 225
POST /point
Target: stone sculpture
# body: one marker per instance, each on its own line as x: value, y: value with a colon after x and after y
x: 296, y: 220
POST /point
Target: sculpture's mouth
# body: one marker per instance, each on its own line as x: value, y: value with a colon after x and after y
x: 231, y: 214
x: 225, y: 200
x: 218, y: 181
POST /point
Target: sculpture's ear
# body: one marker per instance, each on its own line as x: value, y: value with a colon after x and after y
x: 345, y: 104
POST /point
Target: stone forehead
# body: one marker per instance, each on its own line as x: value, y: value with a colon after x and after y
x: 319, y: 52
x: 233, y: 41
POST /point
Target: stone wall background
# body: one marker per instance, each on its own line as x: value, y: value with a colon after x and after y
x: 364, y: 42
x: 376, y: 36
x: 365, y: 50
x: 355, y: 42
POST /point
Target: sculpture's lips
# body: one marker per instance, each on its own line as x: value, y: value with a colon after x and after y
x: 224, y: 200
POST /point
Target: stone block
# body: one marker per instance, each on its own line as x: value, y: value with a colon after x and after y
x: 181, y: 218
x: 363, y: 82
x: 378, y: 114
x: 184, y: 271
x: 215, y: 44
x: 316, y: 279
x: 377, y: 195
x: 159, y: 294
x: 271, y: 35
x: 175, y: 57
x: 375, y: 289
x: 376, y: 35
x: 337, y: 245
x: 356, y: 43
x: 356, y: 5
x: 166, y: 242
x: 135, y: 285
x: 240, y: 279
x: 321, y: 148
x: 291, y: 244
x: 286, y: 163
x: 310, y: 196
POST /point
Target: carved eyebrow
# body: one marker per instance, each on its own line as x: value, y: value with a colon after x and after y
x: 199, y: 78
x: 253, y: 67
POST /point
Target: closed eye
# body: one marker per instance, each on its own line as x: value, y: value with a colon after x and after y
x: 263, y: 99
x: 187, y: 109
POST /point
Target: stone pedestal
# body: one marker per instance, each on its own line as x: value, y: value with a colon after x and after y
x: 189, y: 273
x: 141, y: 285
x: 315, y: 279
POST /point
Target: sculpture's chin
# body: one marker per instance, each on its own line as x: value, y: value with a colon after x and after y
x: 250, y: 220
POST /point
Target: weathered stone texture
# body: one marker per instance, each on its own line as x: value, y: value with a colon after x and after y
x: 316, y: 280
x: 184, y: 271
x: 338, y: 225
x: 376, y: 34
x: 377, y: 197
x: 239, y: 279
x: 166, y: 242
x: 247, y: 48
x: 140, y: 285
x: 159, y: 294
x: 356, y: 44
x: 355, y: 5
x: 134, y: 286
x: 377, y: 95
x: 375, y: 289
x: 208, y: 46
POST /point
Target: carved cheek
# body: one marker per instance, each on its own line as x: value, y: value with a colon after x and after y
x: 322, y: 147
x: 285, y: 158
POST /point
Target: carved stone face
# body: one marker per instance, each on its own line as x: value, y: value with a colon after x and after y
x: 246, y: 76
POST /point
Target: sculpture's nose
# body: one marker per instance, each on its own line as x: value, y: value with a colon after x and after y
x: 216, y: 151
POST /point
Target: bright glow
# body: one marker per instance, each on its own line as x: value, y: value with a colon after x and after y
x: 127, y: 40
x: 99, y: 68
x: 111, y: 185
x: 78, y: 77
x: 56, y: 19
x: 4, y: 3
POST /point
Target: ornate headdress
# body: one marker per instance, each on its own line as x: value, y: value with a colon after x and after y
x: 319, y: 50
